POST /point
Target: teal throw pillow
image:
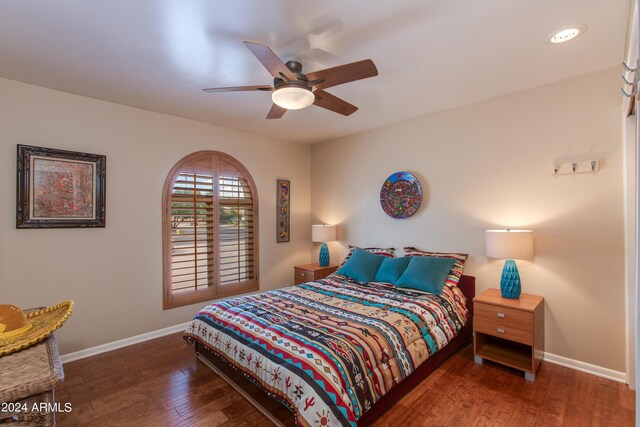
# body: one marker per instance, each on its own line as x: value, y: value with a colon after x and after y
x: 391, y: 269
x: 361, y: 265
x: 426, y: 274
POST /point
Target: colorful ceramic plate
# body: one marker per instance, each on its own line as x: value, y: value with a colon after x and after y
x: 401, y: 195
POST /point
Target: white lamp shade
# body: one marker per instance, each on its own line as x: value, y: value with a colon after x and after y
x: 323, y: 233
x: 509, y: 244
x: 293, y: 98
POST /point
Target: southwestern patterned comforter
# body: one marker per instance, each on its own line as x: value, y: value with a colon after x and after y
x: 332, y: 348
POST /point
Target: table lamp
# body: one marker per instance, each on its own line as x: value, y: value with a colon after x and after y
x: 509, y: 245
x: 323, y: 234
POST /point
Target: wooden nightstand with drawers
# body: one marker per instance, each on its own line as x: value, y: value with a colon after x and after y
x: 310, y: 272
x: 509, y: 331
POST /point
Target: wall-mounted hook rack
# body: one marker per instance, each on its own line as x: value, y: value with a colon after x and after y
x: 576, y: 167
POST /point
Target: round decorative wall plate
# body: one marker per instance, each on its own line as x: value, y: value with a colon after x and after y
x: 401, y: 195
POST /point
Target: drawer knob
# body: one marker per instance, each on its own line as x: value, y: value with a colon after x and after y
x: 500, y: 330
x: 302, y: 274
x: 500, y: 314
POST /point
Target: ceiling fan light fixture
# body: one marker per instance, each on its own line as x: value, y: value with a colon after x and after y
x: 293, y: 97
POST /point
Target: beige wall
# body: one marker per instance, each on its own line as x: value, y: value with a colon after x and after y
x: 488, y: 165
x: 115, y: 274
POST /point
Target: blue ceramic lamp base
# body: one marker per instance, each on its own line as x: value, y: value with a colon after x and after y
x: 510, y: 285
x: 324, y: 255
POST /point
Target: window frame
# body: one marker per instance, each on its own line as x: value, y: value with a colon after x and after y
x: 171, y: 299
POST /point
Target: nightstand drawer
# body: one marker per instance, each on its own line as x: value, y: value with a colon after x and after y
x: 507, y: 323
x: 303, y: 276
x: 311, y: 272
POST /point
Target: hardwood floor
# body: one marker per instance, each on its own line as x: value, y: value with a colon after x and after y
x: 160, y: 383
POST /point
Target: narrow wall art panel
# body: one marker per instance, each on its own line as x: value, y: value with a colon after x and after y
x: 283, y: 206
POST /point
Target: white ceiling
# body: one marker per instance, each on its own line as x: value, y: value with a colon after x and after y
x: 431, y: 54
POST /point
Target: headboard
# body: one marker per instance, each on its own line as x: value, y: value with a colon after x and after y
x: 467, y: 285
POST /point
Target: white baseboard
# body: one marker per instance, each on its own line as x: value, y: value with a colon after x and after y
x: 548, y: 357
x: 77, y: 355
x: 588, y: 368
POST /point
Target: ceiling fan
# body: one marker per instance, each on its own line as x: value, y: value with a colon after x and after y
x: 293, y: 90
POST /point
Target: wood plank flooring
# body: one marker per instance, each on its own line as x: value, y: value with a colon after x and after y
x: 160, y: 383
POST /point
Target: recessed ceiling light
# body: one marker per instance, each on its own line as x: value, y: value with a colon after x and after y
x: 566, y: 34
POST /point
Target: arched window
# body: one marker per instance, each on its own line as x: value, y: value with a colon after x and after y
x: 209, y: 229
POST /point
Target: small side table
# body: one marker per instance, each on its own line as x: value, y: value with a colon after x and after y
x: 310, y: 272
x: 509, y: 331
x: 27, y: 380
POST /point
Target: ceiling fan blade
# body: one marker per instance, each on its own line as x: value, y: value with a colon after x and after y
x: 333, y: 103
x: 276, y: 112
x: 238, y: 89
x: 270, y: 60
x: 344, y: 73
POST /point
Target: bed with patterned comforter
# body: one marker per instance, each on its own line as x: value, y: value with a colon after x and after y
x: 329, y: 349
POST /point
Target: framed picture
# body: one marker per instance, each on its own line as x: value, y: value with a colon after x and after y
x: 283, y: 204
x: 60, y: 189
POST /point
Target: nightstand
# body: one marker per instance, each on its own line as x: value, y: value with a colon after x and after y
x: 310, y: 272
x: 509, y: 331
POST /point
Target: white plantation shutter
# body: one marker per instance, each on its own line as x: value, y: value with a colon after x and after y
x: 210, y: 229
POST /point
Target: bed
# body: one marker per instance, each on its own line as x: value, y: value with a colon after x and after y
x: 335, y: 351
